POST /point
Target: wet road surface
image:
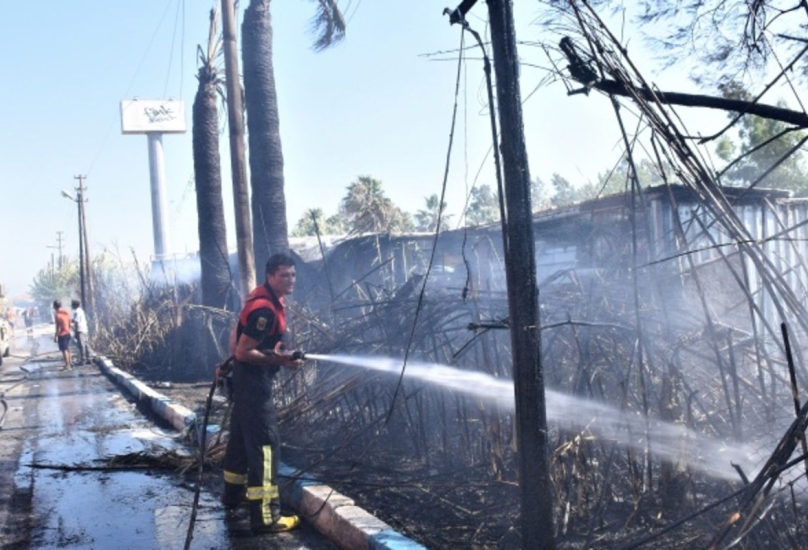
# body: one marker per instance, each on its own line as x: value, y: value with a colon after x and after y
x: 60, y: 433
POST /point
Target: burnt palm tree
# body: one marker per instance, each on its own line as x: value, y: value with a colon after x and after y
x: 213, y: 257
x: 263, y: 124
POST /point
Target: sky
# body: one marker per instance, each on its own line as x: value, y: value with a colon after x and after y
x: 376, y: 104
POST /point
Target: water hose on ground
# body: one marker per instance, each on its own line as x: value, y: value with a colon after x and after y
x: 203, y: 444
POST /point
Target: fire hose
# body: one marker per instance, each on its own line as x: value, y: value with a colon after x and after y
x: 222, y: 378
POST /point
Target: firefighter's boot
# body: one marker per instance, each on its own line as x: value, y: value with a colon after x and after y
x: 265, y: 517
x: 234, y: 495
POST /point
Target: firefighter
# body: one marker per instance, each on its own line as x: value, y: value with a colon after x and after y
x: 252, y: 457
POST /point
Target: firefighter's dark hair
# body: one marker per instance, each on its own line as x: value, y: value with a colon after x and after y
x: 276, y: 261
x: 57, y: 304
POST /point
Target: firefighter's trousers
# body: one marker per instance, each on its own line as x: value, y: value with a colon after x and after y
x: 253, y: 450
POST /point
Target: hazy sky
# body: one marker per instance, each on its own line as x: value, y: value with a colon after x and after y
x: 373, y: 105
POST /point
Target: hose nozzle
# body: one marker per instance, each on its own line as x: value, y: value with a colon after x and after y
x: 298, y: 355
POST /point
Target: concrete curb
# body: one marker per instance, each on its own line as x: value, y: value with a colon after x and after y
x: 338, y: 518
x: 332, y: 514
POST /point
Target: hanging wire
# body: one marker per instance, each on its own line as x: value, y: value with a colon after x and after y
x: 182, y: 49
x: 171, y: 49
x: 114, y: 120
x: 421, y: 294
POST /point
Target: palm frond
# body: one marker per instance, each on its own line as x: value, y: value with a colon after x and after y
x: 328, y: 24
x: 214, y: 38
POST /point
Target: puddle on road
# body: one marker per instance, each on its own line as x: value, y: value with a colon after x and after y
x: 77, y: 421
x: 117, y: 509
x: 82, y: 422
x: 85, y: 447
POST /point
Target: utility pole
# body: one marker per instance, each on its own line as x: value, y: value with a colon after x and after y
x: 59, y: 240
x: 84, y: 249
x: 523, y: 291
x: 89, y: 303
x: 238, y: 165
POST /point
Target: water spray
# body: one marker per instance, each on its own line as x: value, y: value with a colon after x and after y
x: 668, y: 441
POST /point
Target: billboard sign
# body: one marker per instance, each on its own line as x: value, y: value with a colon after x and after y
x: 141, y: 116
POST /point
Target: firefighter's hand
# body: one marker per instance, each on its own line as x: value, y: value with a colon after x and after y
x: 217, y: 372
x: 286, y: 357
x: 222, y: 370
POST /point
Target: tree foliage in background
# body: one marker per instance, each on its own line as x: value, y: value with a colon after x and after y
x: 565, y: 193
x: 539, y: 195
x: 762, y: 144
x: 483, y: 208
x: 729, y: 46
x: 427, y: 218
x: 305, y: 227
x: 366, y: 209
x: 618, y: 179
x: 56, y: 284
x: 730, y: 39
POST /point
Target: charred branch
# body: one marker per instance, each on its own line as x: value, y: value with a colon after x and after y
x: 613, y: 87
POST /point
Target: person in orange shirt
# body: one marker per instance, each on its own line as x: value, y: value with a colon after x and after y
x: 62, y: 336
x: 11, y: 317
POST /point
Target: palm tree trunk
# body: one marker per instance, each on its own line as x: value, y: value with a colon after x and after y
x: 213, y: 256
x: 263, y: 126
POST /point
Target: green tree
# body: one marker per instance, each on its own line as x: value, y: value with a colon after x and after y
x: 616, y: 180
x: 263, y: 122
x: 727, y: 37
x: 213, y: 255
x: 367, y: 209
x: 762, y: 144
x: 427, y: 219
x: 400, y: 221
x: 56, y: 284
x: 539, y: 195
x: 564, y: 191
x: 483, y: 206
x: 305, y: 226
x: 337, y: 223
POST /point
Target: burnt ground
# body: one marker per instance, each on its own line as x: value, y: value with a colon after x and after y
x: 440, y: 506
x: 437, y: 509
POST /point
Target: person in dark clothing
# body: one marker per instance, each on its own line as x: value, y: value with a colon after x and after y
x: 252, y: 457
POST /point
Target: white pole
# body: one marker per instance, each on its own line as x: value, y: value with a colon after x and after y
x: 162, y: 246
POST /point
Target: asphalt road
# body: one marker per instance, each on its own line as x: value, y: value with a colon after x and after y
x: 62, y: 481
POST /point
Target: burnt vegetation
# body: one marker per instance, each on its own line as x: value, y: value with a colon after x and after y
x: 673, y: 325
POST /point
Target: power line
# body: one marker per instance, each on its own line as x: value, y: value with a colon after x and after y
x: 115, y: 119
x: 182, y: 49
x: 171, y: 49
x: 422, y: 293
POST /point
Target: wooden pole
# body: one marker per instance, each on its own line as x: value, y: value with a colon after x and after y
x: 523, y: 291
x: 238, y: 165
x: 82, y: 263
x: 87, y: 302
